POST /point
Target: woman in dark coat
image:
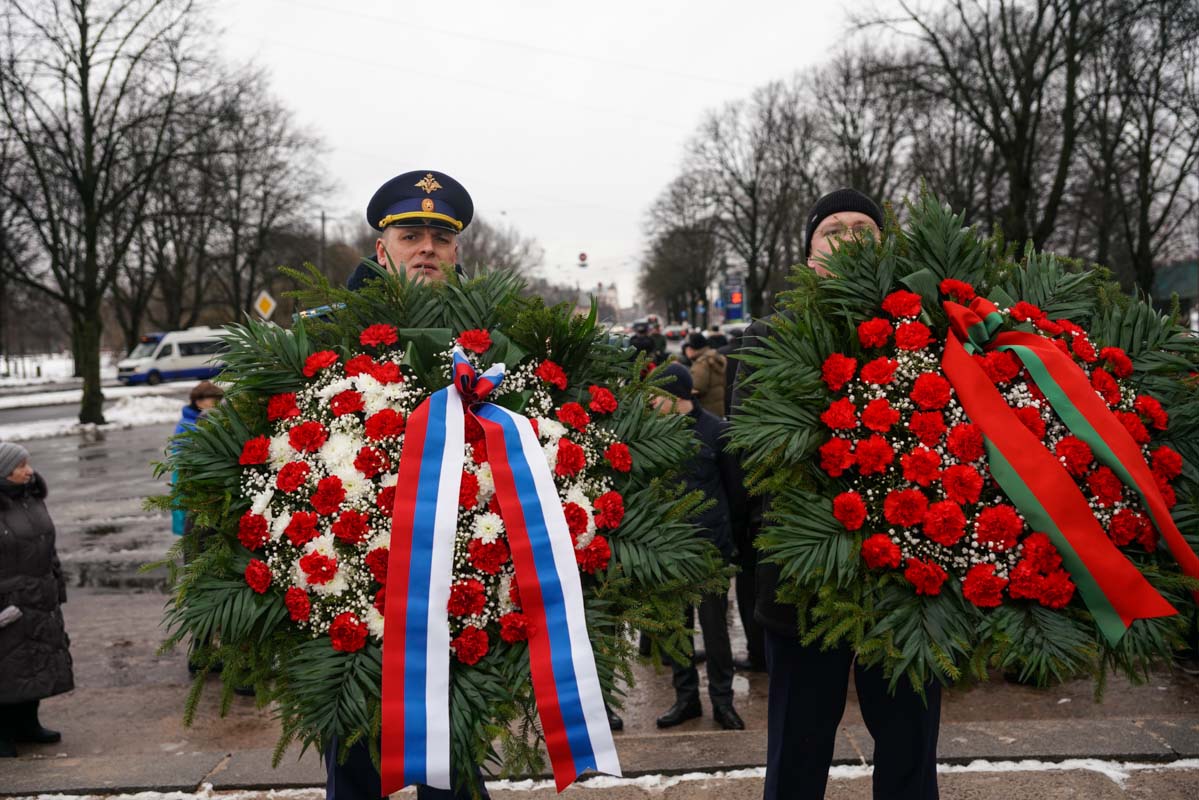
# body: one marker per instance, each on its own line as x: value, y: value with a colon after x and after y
x: 35, y: 661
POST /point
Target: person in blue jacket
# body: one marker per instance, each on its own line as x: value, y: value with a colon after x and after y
x: 204, y: 395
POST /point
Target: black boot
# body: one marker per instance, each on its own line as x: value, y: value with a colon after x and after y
x: 28, y: 729
x: 6, y: 748
x: 727, y: 717
x: 615, y: 723
x: 682, y: 710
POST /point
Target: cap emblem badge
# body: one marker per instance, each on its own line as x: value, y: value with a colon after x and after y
x: 428, y: 183
x: 426, y: 204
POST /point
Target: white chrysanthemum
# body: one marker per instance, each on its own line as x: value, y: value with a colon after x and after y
x: 486, y: 483
x: 280, y: 524
x: 488, y: 527
x: 550, y: 429
x: 334, y: 587
x: 262, y: 501
x: 327, y: 392
x: 375, y: 402
x: 374, y: 622
x: 380, y: 539
x: 323, y: 545
x: 390, y: 479
x: 339, y: 451
x: 551, y: 454
x: 504, y: 594
x: 280, y: 451
x: 354, y: 482
x: 576, y: 495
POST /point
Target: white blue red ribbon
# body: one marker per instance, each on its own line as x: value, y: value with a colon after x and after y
x: 416, y: 645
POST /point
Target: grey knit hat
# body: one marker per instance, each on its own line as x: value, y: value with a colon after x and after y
x: 11, y: 457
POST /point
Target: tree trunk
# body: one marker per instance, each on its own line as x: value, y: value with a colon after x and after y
x: 86, y: 335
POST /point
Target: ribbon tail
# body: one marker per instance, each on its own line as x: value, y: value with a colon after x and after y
x: 416, y: 643
x: 565, y: 681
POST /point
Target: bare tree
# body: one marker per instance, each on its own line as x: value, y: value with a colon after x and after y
x: 498, y: 247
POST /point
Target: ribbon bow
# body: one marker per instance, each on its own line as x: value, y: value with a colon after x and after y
x: 416, y: 647
x: 1037, y: 483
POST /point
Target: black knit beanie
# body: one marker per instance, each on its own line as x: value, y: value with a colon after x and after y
x: 836, y: 202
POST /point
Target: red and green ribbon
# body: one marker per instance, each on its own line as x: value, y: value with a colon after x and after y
x: 1038, y: 485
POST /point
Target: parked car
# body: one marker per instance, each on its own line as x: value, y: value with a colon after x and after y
x: 675, y: 332
x: 193, y: 354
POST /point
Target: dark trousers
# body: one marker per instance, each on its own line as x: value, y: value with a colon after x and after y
x: 713, y: 622
x: 18, y: 719
x: 746, y: 589
x: 357, y: 779
x: 807, y: 698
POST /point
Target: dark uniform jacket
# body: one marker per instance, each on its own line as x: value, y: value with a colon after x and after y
x: 34, y: 658
x: 717, y: 473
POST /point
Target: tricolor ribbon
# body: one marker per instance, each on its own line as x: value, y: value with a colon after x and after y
x: 415, y: 744
x: 1037, y: 483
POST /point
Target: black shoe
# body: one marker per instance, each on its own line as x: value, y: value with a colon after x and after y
x: 701, y: 656
x: 727, y: 717
x: 614, y: 721
x: 36, y: 734
x: 748, y: 665
x: 643, y: 645
x: 6, y: 749
x: 680, y: 712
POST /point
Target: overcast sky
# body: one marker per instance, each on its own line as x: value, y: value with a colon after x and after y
x: 564, y: 119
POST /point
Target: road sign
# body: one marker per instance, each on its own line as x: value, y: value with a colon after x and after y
x: 582, y: 256
x: 582, y: 261
x: 265, y: 304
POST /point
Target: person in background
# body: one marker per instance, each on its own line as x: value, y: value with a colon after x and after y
x: 717, y: 475
x: 707, y: 374
x: 716, y: 339
x: 35, y: 657
x: 204, y: 395
x: 642, y: 342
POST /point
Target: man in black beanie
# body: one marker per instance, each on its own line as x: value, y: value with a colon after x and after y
x: 808, y: 685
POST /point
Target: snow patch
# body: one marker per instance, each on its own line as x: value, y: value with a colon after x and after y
x: 75, y: 396
x: 128, y: 412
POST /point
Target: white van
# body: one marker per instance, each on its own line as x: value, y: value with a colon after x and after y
x: 192, y: 354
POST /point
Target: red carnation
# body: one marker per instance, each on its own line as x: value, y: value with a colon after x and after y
x: 913, y: 336
x: 1048, y: 326
x: 252, y: 530
x: 602, y: 400
x: 1071, y: 328
x: 376, y: 562
x: 998, y: 527
x: 467, y: 598
x: 360, y: 365
x: 307, y: 437
x: 1125, y: 526
x: 293, y: 475
x: 282, y: 406
x: 347, y: 632
x: 944, y: 523
x: 928, y: 426
x: 468, y: 490
x: 619, y: 457
x: 1023, y: 312
x: 1001, y: 366
x: 838, y: 370
x: 551, y: 373
x: 387, y: 372
x: 571, y: 458
x: 1038, y: 550
x: 1167, y: 464
x: 960, y: 291
x: 384, y: 424
x: 836, y: 456
x: 255, y: 451
x: 874, y: 455
x: 874, y: 332
x: 902, y: 304
x: 299, y: 607
x: 258, y: 575
x: 983, y: 587
x: 1132, y: 423
x: 595, y: 556
x: 1074, y: 454
x: 905, y: 507
x: 921, y: 466
x: 514, y: 594
x: 962, y: 484
x: 925, y: 576
x: 572, y: 414
x: 850, y: 510
x: 840, y: 415
x: 1025, y: 581
x: 380, y: 602
x: 378, y: 335
x: 347, y: 402
x: 1062, y: 346
x: 470, y: 645
x: 487, y: 557
x: 301, y: 528
x: 1117, y: 361
x: 880, y: 371
x: 328, y: 496
x: 318, y: 361
x: 474, y: 431
x: 318, y: 568
x: 386, y: 499
x: 965, y: 442
x: 1083, y: 349
x: 1056, y: 590
x: 1105, y: 487
x: 609, y: 508
x: 1149, y: 408
x: 1030, y: 416
x: 1106, y: 386
x: 879, y: 416
x: 370, y: 461
x: 879, y: 551
x: 515, y: 627
x: 476, y: 339
x: 930, y: 391
x: 478, y: 452
x: 351, y: 526
x: 577, y: 519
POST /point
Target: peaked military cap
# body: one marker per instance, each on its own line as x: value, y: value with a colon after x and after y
x: 420, y: 198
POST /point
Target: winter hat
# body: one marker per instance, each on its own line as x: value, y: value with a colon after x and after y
x: 678, y: 380
x: 206, y: 389
x: 11, y: 457
x: 836, y: 202
x: 696, y: 341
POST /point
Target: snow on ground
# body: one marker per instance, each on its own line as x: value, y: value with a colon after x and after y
x: 74, y: 396
x: 55, y: 368
x: 128, y: 412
